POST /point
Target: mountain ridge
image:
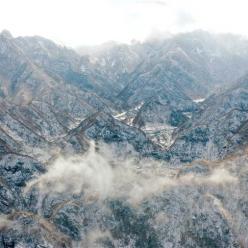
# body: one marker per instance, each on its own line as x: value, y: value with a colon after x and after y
x: 125, y: 146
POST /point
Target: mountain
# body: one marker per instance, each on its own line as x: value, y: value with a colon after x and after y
x: 140, y: 145
x: 200, y: 205
x: 203, y: 61
x: 217, y: 129
x: 49, y: 103
x: 170, y: 71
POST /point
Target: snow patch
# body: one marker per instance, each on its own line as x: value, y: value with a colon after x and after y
x: 199, y: 100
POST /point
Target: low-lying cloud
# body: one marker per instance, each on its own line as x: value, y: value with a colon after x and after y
x: 94, y: 193
x: 100, y: 175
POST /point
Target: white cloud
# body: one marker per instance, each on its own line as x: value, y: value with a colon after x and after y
x: 100, y: 175
x: 79, y: 22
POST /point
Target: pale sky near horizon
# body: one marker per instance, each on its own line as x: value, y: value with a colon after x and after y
x: 90, y: 22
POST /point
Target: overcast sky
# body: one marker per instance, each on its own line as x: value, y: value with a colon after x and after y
x: 89, y: 22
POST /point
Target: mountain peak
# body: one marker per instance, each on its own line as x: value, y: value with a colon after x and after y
x: 6, y: 34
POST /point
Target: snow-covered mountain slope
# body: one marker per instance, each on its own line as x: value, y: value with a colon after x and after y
x: 122, y: 146
x: 217, y: 129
